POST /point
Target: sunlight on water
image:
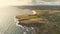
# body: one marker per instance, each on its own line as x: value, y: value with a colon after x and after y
x: 7, y: 23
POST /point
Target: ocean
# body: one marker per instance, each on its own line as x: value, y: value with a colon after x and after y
x: 7, y: 22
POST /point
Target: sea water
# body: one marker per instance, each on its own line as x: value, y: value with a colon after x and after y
x: 7, y: 22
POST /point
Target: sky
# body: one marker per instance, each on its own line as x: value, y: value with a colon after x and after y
x: 23, y: 2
